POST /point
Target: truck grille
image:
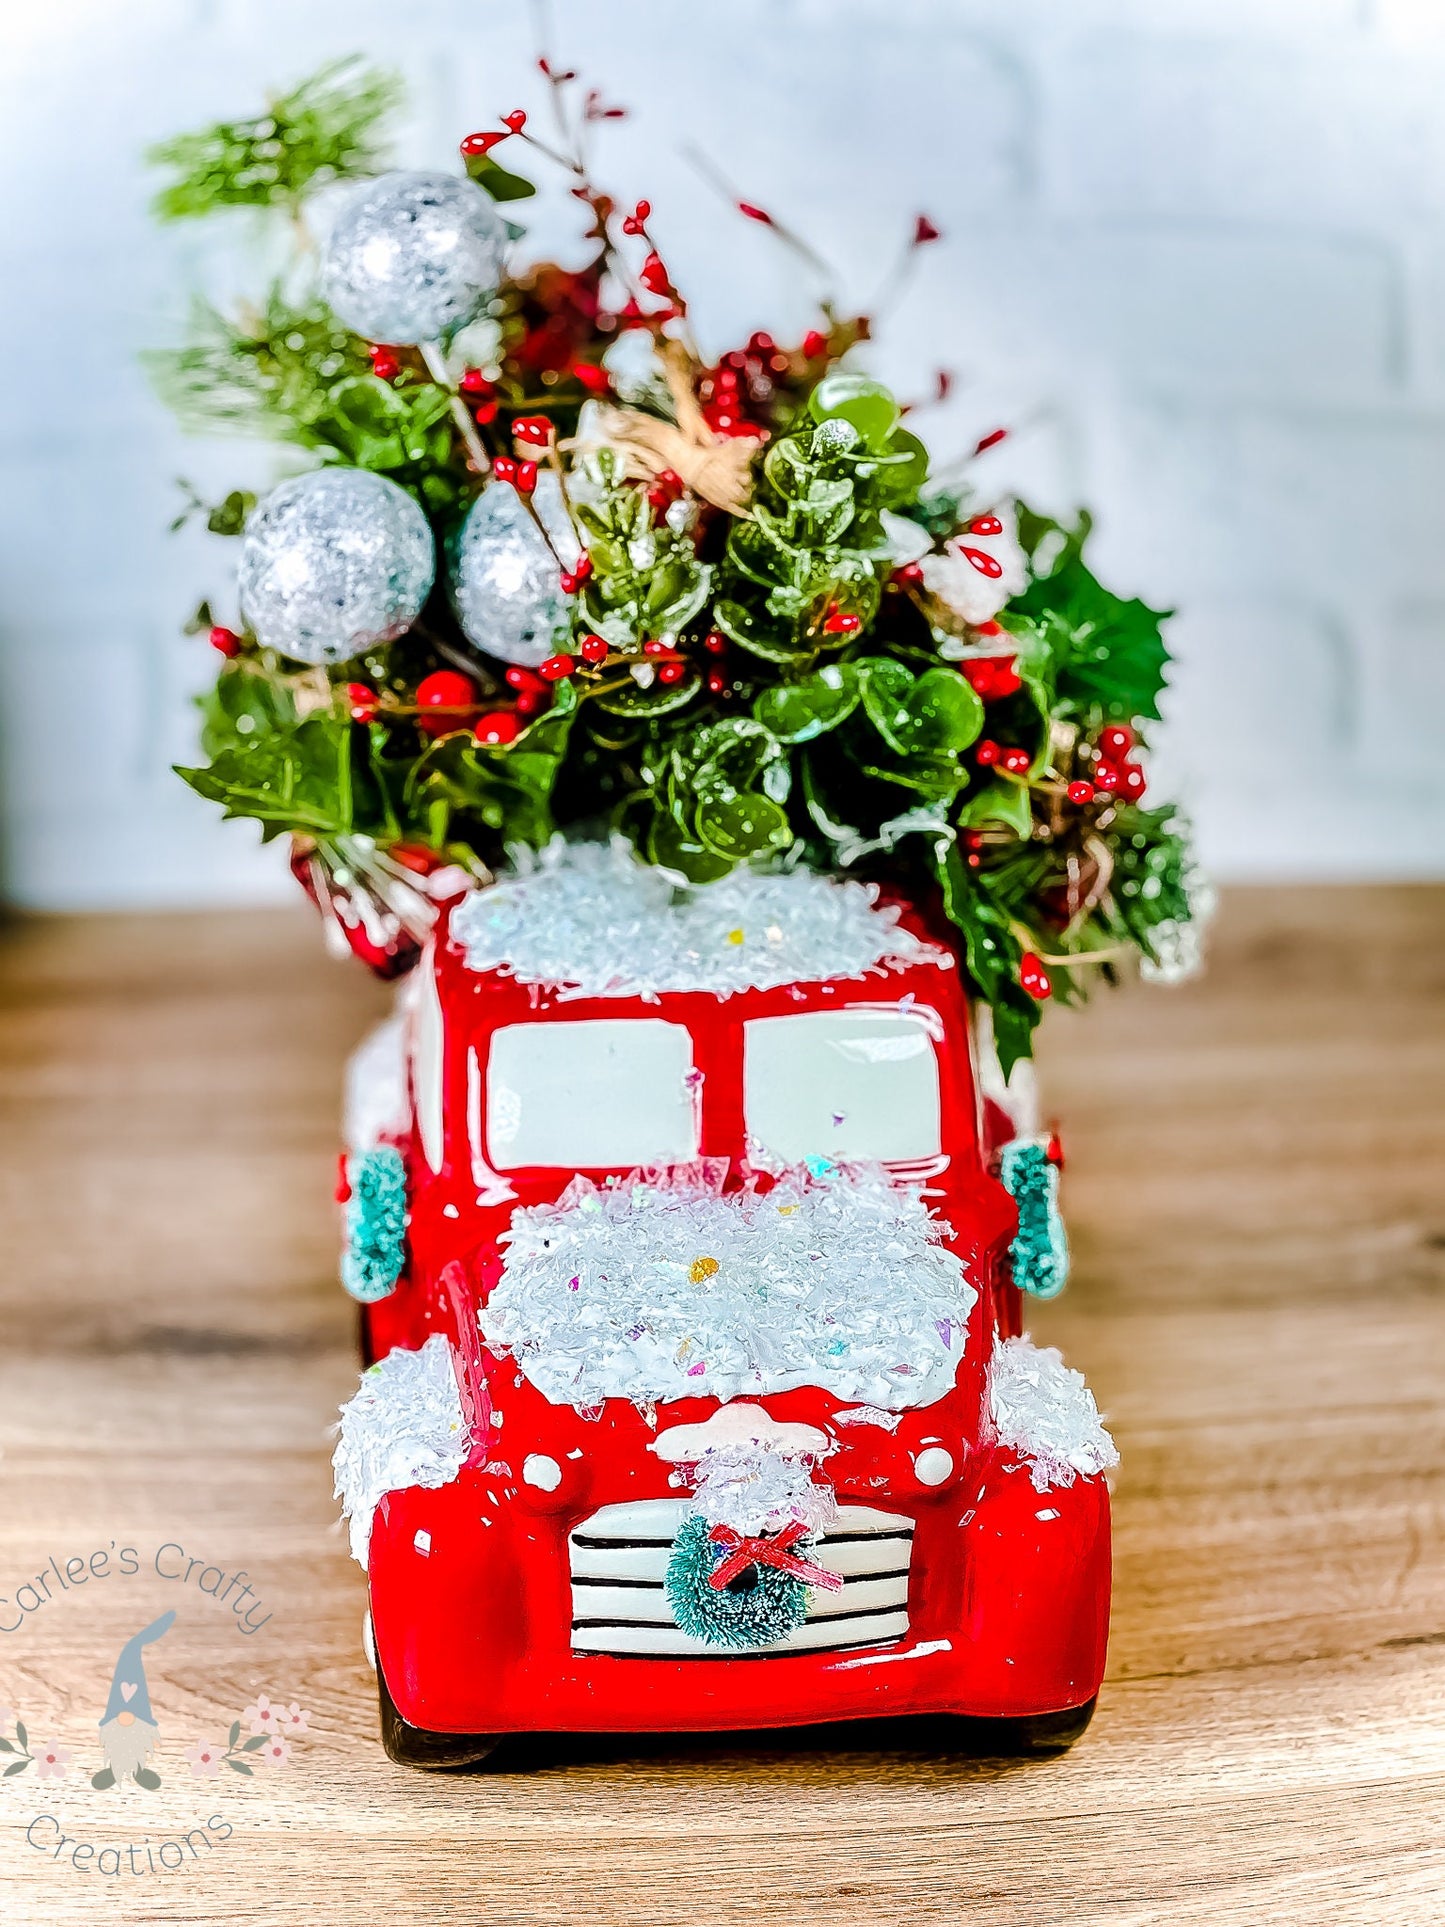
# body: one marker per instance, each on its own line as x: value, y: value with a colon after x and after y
x: 619, y: 1557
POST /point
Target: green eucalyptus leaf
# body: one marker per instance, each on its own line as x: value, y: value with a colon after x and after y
x: 772, y: 641
x: 229, y: 517
x: 904, y: 473
x: 496, y: 180
x: 859, y: 400
x: 1006, y: 803
x: 738, y: 827
x: 796, y: 712
x: 660, y: 699
x: 676, y: 847
x: 932, y: 715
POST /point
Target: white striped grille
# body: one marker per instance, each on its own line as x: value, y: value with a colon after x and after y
x: 619, y: 1557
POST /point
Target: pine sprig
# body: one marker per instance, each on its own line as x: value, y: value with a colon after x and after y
x: 326, y: 129
x: 271, y: 373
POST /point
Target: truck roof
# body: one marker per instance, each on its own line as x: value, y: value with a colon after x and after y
x: 591, y: 920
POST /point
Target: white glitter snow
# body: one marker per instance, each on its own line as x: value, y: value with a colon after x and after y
x: 402, y: 1427
x: 594, y: 921
x: 755, y: 1490
x: 839, y: 1282
x: 1046, y: 1413
x: 375, y: 1104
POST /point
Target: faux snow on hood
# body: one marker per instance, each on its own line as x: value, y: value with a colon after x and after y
x: 591, y: 920
x: 403, y: 1427
x: 1046, y: 1413
x: 662, y: 1287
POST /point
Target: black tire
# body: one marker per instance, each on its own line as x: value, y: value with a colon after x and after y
x: 1040, y: 1734
x: 431, y: 1752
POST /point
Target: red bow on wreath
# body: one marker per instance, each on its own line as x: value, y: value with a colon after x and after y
x: 742, y: 1553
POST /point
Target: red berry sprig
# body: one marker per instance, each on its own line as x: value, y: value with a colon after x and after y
x: 991, y: 677
x: 1034, y: 978
x: 225, y: 640
x: 450, y: 694
x: 384, y: 363
x: 362, y: 702
x: 535, y: 431
x: 497, y: 728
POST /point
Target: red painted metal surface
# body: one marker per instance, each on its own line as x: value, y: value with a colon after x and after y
x: 1008, y: 1588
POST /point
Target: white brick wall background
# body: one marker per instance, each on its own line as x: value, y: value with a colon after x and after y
x: 1195, y: 257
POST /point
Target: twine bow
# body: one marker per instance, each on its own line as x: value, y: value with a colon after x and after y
x: 740, y: 1553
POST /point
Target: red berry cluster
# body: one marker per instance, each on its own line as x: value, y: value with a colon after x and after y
x: 991, y: 677
x: 988, y: 754
x: 667, y: 488
x: 1113, y: 772
x: 736, y: 393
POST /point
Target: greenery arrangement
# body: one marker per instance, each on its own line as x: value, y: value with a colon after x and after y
x: 786, y: 640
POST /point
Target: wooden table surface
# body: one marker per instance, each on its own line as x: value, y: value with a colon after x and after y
x: 1255, y: 1193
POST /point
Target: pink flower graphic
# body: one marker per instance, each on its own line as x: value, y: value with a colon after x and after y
x: 263, y: 1717
x: 293, y: 1720
x: 275, y: 1752
x: 205, y: 1758
x: 51, y: 1761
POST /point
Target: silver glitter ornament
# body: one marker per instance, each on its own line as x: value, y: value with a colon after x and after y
x: 333, y: 563
x: 506, y: 582
x: 411, y: 257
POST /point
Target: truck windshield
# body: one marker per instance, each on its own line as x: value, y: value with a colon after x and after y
x: 861, y: 1082
x: 597, y: 1094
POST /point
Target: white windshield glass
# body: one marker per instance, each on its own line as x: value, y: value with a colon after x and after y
x: 604, y: 1094
x: 855, y: 1083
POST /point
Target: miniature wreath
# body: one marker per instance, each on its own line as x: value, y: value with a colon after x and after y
x: 756, y: 1608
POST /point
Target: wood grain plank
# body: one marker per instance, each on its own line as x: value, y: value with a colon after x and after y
x: 1255, y: 1192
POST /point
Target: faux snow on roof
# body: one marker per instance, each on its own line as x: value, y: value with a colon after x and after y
x: 591, y: 920
x: 1046, y: 1413
x: 402, y: 1427
x: 663, y: 1288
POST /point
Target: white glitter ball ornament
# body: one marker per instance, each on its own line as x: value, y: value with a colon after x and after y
x: 506, y: 582
x: 333, y: 563
x: 412, y: 257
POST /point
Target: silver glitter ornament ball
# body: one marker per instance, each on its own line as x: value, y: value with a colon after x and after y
x: 506, y: 582
x: 333, y: 563
x: 412, y: 256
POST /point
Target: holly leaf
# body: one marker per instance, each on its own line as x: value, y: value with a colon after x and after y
x: 244, y: 704
x: 1107, y: 654
x: 305, y: 778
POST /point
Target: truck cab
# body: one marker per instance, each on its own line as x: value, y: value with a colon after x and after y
x: 693, y: 1174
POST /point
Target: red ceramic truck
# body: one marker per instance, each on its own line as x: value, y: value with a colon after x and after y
x: 518, y: 1585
